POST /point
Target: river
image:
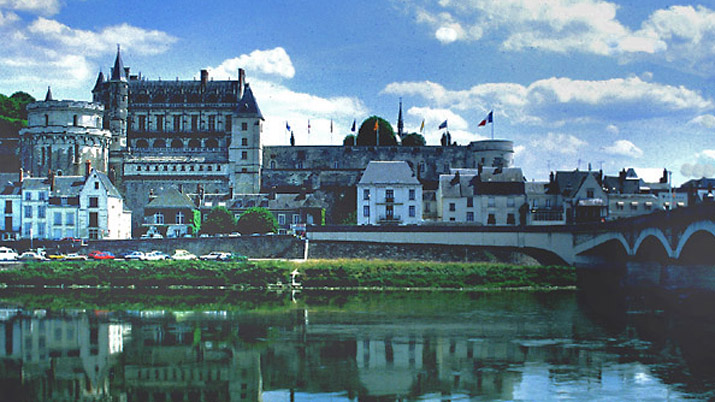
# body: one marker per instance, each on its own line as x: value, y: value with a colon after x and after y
x: 335, y: 346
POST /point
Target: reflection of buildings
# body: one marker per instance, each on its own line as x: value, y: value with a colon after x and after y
x: 60, y: 356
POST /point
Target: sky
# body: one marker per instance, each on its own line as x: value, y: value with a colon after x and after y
x: 613, y: 84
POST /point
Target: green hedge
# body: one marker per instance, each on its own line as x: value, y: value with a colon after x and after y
x: 313, y: 274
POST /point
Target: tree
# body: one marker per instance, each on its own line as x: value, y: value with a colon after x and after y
x: 219, y: 220
x: 257, y: 220
x: 349, y: 140
x: 413, y: 140
x: 366, y: 134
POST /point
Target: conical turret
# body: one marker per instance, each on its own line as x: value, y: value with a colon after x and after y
x: 118, y: 69
x: 49, y: 97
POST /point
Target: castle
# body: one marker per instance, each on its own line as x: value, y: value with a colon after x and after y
x: 203, y: 137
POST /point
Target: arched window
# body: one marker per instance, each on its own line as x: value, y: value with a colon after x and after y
x: 194, y: 143
x: 159, y: 144
x: 177, y: 143
x: 47, y: 120
x: 273, y: 164
x: 159, y: 218
x: 74, y: 120
x: 180, y: 218
x: 142, y: 144
x: 211, y: 143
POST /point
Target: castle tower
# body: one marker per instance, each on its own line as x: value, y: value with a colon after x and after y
x: 62, y: 135
x: 245, y: 154
x: 114, y: 94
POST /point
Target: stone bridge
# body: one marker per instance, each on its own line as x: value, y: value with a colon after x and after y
x: 684, y: 235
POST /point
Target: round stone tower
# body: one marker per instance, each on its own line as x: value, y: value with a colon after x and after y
x: 62, y: 135
x: 494, y: 153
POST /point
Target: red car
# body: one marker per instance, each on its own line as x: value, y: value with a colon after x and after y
x: 101, y: 255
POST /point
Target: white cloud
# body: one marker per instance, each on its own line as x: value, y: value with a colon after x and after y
x: 559, y: 143
x: 559, y: 100
x: 269, y: 62
x: 705, y: 120
x: 433, y: 117
x: 697, y: 170
x: 707, y: 153
x: 623, y: 148
x: 42, y: 7
x: 612, y: 129
x: 8, y: 18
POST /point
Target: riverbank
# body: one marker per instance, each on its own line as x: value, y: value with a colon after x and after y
x: 340, y: 273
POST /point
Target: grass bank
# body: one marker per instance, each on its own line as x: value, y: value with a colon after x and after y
x: 313, y: 274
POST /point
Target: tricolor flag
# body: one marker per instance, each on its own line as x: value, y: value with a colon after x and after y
x: 486, y: 120
x: 353, y: 129
x: 443, y: 125
x: 287, y: 127
x: 422, y: 127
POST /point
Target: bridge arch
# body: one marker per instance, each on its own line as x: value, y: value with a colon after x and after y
x: 699, y: 228
x: 652, y: 233
x: 609, y: 240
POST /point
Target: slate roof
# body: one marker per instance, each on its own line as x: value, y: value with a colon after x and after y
x: 111, y: 190
x: 11, y: 188
x: 171, y: 198
x: 388, y: 172
x: 247, y: 106
x: 35, y: 183
x: 67, y: 186
x: 613, y: 184
x: 457, y: 185
x: 568, y: 183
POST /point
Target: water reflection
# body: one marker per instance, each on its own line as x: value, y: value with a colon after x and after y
x: 359, y: 346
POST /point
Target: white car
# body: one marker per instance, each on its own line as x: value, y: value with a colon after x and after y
x: 214, y: 256
x: 8, y: 254
x: 155, y: 256
x: 135, y: 255
x: 31, y: 256
x: 183, y: 255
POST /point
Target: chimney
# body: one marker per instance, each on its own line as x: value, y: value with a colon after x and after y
x: 241, y: 82
x: 151, y: 195
x: 51, y: 176
x: 126, y: 72
x: 204, y: 77
x: 22, y: 175
x: 88, y: 168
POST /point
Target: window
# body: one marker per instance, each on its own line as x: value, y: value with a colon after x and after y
x: 548, y: 203
x: 244, y: 141
x: 160, y: 123
x: 74, y: 120
x: 491, y: 220
x: 470, y: 202
x: 180, y: 218
x: 470, y: 216
x: 244, y: 126
x: 40, y: 232
x: 159, y: 218
x: 142, y: 123
x: 281, y: 219
x: 93, y: 219
x: 389, y: 195
x: 69, y: 219
x: 619, y: 206
x: 366, y: 211
x: 28, y: 196
x: 28, y: 211
x: 244, y: 155
x: 229, y: 124
x: 296, y: 219
x: 412, y: 194
x: 510, y: 219
x: 589, y: 193
x: 57, y: 233
x: 93, y: 202
x: 412, y: 211
x: 47, y: 120
x: 177, y: 123
x: 510, y: 201
x: 8, y: 206
x: 634, y: 206
x: 41, y: 212
x: 300, y: 165
x: 491, y: 202
x: 452, y: 207
x: 27, y: 230
x: 96, y: 185
x: 534, y: 204
x: 194, y: 123
x: 93, y: 233
x: 366, y: 194
x: 212, y: 123
x: 42, y: 196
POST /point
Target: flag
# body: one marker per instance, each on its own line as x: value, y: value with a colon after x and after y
x: 353, y: 129
x: 287, y: 127
x: 486, y: 120
x: 331, y: 126
x: 308, y: 126
x: 376, y: 125
x: 443, y: 125
x: 422, y: 127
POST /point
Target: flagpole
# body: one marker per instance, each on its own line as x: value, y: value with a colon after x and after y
x: 492, y: 114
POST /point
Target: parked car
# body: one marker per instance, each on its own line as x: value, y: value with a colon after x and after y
x: 56, y: 256
x: 156, y: 256
x: 234, y: 257
x: 183, y: 255
x: 75, y: 257
x: 101, y: 255
x: 8, y: 254
x: 214, y: 256
x: 135, y: 255
x: 152, y: 236
x: 30, y: 255
x: 234, y: 234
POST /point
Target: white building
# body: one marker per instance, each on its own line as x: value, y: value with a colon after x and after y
x: 55, y: 207
x: 545, y: 205
x: 389, y: 193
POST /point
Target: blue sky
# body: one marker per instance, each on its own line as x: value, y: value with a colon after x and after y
x: 571, y: 82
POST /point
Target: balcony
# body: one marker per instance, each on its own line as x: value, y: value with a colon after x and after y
x: 390, y: 201
x: 547, y: 215
x: 389, y: 219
